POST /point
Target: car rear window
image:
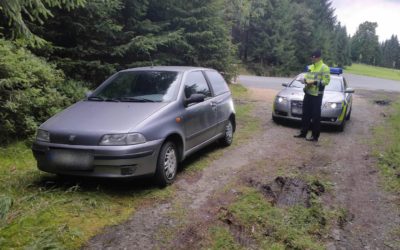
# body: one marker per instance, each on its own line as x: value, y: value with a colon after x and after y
x: 217, y: 82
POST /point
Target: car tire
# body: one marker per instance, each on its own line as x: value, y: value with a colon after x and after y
x: 342, y: 125
x: 276, y: 119
x: 167, y: 164
x: 348, y: 116
x: 227, y: 139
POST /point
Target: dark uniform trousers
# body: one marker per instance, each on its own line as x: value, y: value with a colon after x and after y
x: 311, y: 111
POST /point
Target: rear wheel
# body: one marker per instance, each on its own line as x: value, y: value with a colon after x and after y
x: 228, y: 134
x: 167, y: 164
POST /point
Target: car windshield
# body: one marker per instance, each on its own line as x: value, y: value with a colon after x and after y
x: 139, y: 86
x: 334, y: 85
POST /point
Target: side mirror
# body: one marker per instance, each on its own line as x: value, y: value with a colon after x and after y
x: 88, y: 93
x: 349, y: 90
x: 195, y: 98
x: 285, y: 84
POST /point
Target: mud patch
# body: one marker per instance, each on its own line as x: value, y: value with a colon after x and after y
x: 239, y: 232
x: 383, y: 102
x: 189, y: 239
x: 286, y: 191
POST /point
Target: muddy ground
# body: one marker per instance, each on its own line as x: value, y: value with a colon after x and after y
x: 342, y: 158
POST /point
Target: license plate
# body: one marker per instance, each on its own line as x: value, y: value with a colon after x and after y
x: 70, y: 159
x: 297, y: 111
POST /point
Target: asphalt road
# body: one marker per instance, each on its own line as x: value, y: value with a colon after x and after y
x: 354, y: 81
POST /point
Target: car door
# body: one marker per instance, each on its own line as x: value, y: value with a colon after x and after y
x: 348, y: 96
x: 222, y: 98
x: 199, y: 119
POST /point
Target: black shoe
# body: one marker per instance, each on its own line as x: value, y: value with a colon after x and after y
x: 312, y: 138
x: 301, y: 135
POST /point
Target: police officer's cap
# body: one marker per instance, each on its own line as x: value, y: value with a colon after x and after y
x: 316, y: 54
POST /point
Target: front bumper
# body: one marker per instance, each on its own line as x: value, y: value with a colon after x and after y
x: 97, y: 161
x: 293, y: 111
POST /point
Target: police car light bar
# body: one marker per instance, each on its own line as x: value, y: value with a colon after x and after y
x: 336, y: 71
x: 333, y: 71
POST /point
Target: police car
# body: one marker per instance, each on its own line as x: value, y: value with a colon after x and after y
x: 336, y: 103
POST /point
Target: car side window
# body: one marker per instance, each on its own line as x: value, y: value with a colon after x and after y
x: 195, y: 83
x: 217, y: 82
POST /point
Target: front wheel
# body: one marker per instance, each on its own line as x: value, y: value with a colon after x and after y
x: 167, y: 164
x: 348, y: 116
x: 342, y: 125
x: 228, y: 134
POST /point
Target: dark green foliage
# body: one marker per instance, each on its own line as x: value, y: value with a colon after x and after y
x: 277, y: 37
x: 17, y: 12
x: 31, y: 91
x: 342, y: 46
x: 106, y: 36
x: 365, y: 44
x: 390, y: 50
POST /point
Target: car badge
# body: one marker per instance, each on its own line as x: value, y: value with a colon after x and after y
x: 72, y: 138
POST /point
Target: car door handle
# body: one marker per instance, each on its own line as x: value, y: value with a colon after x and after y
x: 213, y: 105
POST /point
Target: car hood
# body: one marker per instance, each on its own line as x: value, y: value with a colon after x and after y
x: 298, y: 94
x: 93, y: 117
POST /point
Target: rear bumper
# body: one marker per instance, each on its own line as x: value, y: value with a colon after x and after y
x: 97, y: 161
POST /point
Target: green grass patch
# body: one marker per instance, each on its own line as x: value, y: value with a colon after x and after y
x: 222, y: 239
x: 269, y: 227
x: 387, y: 149
x: 373, y: 71
x: 247, y: 123
x: 41, y: 211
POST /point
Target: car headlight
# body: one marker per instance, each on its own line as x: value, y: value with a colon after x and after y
x: 281, y: 99
x: 122, y: 139
x: 332, y: 105
x: 43, y: 135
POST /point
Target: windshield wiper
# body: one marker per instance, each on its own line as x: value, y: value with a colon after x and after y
x: 95, y: 98
x: 112, y: 100
x: 135, y: 99
x: 101, y: 99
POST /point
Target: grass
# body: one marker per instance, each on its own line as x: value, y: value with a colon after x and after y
x: 222, y: 239
x: 373, y: 71
x: 41, y: 211
x: 270, y: 227
x: 387, y: 149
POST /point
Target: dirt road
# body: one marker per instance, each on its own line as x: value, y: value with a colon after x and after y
x: 344, y: 159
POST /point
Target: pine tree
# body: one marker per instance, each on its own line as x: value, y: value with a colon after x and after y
x: 365, y: 44
x: 390, y: 53
x: 18, y: 11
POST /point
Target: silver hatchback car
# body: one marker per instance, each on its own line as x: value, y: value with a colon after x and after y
x: 140, y: 121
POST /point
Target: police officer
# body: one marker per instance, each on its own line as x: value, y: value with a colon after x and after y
x: 315, y: 80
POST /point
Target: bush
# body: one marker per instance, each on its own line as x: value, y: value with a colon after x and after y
x: 31, y: 90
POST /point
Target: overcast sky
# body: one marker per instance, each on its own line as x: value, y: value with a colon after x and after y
x: 351, y: 13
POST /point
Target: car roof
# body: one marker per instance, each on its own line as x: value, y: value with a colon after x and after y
x: 167, y: 68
